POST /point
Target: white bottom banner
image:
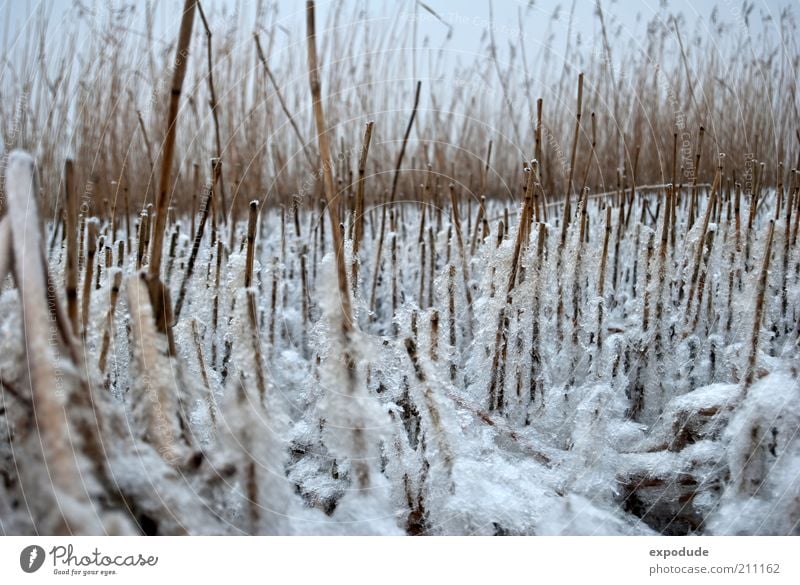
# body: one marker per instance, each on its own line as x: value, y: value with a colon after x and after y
x: 405, y: 560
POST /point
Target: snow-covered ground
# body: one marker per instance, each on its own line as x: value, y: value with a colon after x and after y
x: 600, y: 387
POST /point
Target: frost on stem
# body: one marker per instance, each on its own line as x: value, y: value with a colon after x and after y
x: 354, y: 423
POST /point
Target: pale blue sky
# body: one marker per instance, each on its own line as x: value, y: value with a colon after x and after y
x: 468, y: 20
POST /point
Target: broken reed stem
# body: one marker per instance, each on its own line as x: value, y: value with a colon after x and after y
x: 212, y: 103
x: 693, y: 198
x: 71, y: 270
x: 327, y: 162
x: 482, y: 200
x: 144, y: 230
x: 358, y: 220
x: 451, y: 316
x: 81, y: 235
x: 304, y: 282
x: 198, y: 236
x: 431, y: 266
x: 251, y: 243
x: 538, y: 133
x: 109, y: 325
x: 92, y: 229
x: 568, y: 196
x: 5, y: 248
x: 601, y: 279
x: 461, y: 250
x: 521, y: 234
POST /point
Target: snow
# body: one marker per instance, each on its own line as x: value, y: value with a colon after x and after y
x: 292, y: 426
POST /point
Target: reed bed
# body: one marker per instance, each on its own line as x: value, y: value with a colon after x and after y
x: 428, y: 321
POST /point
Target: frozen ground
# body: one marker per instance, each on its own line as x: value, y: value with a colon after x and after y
x: 589, y: 393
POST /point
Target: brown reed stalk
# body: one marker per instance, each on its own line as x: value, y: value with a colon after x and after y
x: 255, y: 340
x: 661, y: 276
x: 538, y: 131
x: 46, y: 331
x: 6, y: 252
x: 433, y: 350
x: 81, y: 239
x: 71, y: 269
x: 535, y: 378
x: 422, y: 261
x: 304, y: 283
x: 482, y: 208
x: 701, y: 283
x: 251, y: 243
x: 128, y: 230
x: 568, y: 196
x: 432, y: 266
x: 761, y: 289
x: 578, y: 269
x: 634, y: 172
x: 173, y: 246
x: 92, y: 229
x: 437, y: 429
x: 213, y: 105
x: 198, y: 236
x: 451, y: 315
x: 201, y: 362
x: 393, y: 257
x: 325, y: 155
x: 358, y: 220
x: 787, y: 232
x: 149, y: 148
x: 647, y: 279
x: 109, y: 323
x: 461, y: 250
x: 497, y: 374
x: 215, y: 309
x: 695, y: 176
x: 158, y: 294
x: 144, y: 230
x: 701, y: 243
x: 524, y: 213
x: 797, y: 211
x: 591, y: 154
x: 601, y: 280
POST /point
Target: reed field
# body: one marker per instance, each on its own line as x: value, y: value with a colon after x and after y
x: 318, y: 276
